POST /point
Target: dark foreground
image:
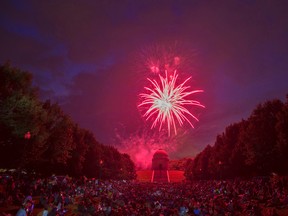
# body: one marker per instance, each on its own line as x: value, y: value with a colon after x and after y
x: 64, y: 195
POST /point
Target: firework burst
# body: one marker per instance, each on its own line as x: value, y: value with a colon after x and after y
x: 166, y: 102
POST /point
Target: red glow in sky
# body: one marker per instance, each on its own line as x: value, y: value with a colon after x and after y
x: 81, y: 53
x: 141, y: 145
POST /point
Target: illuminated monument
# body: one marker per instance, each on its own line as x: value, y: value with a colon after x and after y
x: 159, y: 172
x: 160, y: 160
x: 160, y: 163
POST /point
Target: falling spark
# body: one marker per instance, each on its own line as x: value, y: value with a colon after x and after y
x: 166, y: 102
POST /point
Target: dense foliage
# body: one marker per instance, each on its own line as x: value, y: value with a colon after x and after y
x: 40, y: 136
x: 178, y: 164
x: 256, y: 146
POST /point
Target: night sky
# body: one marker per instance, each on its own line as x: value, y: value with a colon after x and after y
x: 86, y: 56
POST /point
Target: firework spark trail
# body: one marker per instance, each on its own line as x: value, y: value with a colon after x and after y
x: 166, y: 102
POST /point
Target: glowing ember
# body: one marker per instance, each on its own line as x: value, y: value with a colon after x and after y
x: 167, y: 101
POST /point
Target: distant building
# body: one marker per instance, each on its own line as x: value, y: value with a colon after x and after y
x: 159, y: 172
x: 160, y: 160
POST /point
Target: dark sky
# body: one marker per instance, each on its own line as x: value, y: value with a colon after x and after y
x: 85, y: 55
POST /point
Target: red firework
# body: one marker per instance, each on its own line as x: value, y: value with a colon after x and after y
x: 167, y: 102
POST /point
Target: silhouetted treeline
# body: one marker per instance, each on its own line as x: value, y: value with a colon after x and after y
x: 39, y: 136
x: 179, y: 164
x: 252, y: 147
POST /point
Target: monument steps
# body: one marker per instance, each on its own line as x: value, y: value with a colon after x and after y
x: 161, y: 176
x: 147, y: 176
x: 160, y: 172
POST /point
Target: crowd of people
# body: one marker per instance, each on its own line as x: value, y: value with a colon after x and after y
x: 64, y: 195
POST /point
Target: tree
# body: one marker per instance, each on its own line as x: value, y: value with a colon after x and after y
x: 127, y: 170
x: 261, y: 137
x: 200, y: 165
x: 226, y: 144
x: 83, y: 140
x: 13, y: 80
x: 282, y: 139
x: 20, y: 112
x: 42, y: 137
x: 238, y: 155
x: 188, y: 172
x: 59, y: 144
x: 93, y: 163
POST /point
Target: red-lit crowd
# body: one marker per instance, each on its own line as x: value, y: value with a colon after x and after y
x: 57, y: 196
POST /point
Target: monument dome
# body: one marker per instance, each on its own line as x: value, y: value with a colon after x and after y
x: 160, y: 160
